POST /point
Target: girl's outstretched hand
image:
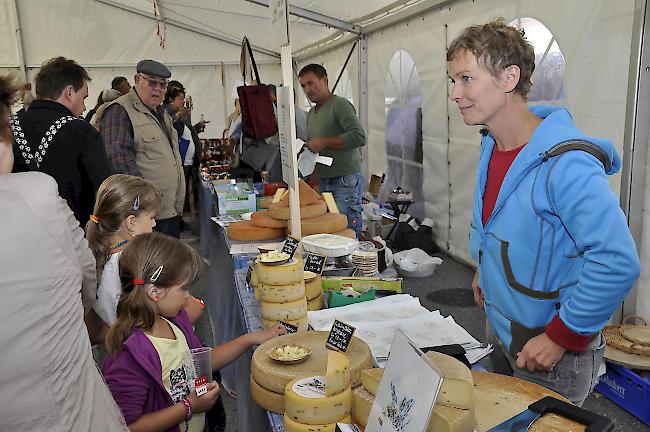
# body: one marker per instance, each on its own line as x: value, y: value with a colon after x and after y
x: 269, y: 333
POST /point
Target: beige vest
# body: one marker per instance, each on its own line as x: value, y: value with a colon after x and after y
x: 157, y: 160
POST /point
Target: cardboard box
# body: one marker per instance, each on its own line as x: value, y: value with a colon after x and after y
x: 233, y: 204
x: 362, y: 284
x: 375, y: 184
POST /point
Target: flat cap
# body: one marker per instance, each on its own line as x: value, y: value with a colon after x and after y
x: 153, y: 68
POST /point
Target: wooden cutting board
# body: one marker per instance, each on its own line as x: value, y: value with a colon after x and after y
x: 500, y: 397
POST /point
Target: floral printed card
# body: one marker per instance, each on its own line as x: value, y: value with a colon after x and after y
x: 408, y: 389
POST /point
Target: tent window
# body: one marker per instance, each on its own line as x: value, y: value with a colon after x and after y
x: 548, y: 78
x: 344, y: 88
x: 403, y: 130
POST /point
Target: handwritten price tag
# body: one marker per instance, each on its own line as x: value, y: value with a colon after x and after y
x: 340, y: 336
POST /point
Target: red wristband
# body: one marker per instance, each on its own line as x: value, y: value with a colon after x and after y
x: 188, y: 409
x: 559, y: 333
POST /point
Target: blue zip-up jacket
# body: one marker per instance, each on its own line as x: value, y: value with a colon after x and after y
x: 557, y: 240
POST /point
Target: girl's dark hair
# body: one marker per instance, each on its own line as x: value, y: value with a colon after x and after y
x: 115, y: 201
x: 148, y: 254
x: 497, y: 46
x: 8, y: 95
x: 172, y: 93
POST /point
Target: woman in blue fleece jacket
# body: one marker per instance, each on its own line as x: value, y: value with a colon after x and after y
x: 555, y: 256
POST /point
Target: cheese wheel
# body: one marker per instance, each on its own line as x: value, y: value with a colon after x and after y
x: 314, y: 288
x: 348, y: 232
x: 285, y: 274
x: 264, y: 202
x: 306, y: 195
x: 315, y: 303
x: 361, y: 405
x: 281, y: 293
x: 263, y: 219
x: 274, y: 376
x: 370, y: 379
x: 246, y: 231
x: 268, y: 400
x: 284, y: 311
x: 302, y: 323
x: 457, y: 390
x: 337, y: 378
x: 326, y: 224
x: 306, y: 402
x: 307, y: 211
x: 293, y: 426
x: 447, y: 419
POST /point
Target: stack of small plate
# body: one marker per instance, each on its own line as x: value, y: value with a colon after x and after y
x: 365, y: 258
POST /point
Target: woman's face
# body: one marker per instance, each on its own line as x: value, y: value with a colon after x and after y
x: 178, y: 102
x: 478, y: 94
x: 6, y: 156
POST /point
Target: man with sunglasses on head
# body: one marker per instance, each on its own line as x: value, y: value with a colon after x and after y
x: 140, y: 140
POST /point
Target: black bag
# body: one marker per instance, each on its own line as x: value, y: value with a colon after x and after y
x: 256, y: 105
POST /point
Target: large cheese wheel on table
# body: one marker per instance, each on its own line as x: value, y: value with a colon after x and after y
x: 307, y: 211
x: 315, y: 304
x: 328, y: 223
x: 315, y: 410
x: 306, y: 195
x: 293, y: 426
x: 246, y: 231
x: 284, y: 274
x: 263, y: 219
x: 348, y: 232
x: 281, y: 293
x: 268, y: 400
x: 302, y: 323
x: 264, y: 202
x: 284, y: 311
x: 274, y: 376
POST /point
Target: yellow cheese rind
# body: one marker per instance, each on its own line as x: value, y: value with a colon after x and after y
x: 457, y: 390
x: 315, y: 303
x: 284, y: 311
x: 302, y: 323
x: 314, y: 288
x: 282, y: 293
x: 361, y: 405
x: 331, y: 202
x: 308, y: 211
x: 268, y: 400
x: 285, y: 274
x: 337, y: 378
x: 278, y: 195
x: 370, y: 379
x: 315, y: 411
x: 246, y: 231
x: 293, y: 426
x: 447, y: 419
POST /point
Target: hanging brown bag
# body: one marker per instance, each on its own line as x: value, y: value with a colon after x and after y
x: 256, y: 104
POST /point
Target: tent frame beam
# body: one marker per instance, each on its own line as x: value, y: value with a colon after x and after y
x: 19, y: 39
x: 178, y: 24
x: 315, y: 17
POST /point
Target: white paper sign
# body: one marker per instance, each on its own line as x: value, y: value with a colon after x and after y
x: 285, y: 126
x: 278, y: 10
x: 406, y: 395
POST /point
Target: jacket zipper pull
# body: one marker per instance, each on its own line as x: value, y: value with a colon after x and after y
x: 480, y: 255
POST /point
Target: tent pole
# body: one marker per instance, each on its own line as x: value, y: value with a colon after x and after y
x: 19, y: 40
x: 363, y: 101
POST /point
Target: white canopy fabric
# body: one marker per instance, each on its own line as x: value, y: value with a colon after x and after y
x: 109, y: 37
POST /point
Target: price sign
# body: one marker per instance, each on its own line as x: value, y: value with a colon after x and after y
x: 249, y: 272
x: 289, y: 327
x: 315, y: 263
x: 340, y: 336
x: 290, y: 246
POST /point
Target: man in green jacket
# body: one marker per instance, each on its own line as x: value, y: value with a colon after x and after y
x: 334, y: 130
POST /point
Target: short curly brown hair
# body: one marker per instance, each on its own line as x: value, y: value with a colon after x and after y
x: 497, y: 46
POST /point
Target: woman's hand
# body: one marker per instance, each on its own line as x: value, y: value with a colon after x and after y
x: 204, y: 402
x: 478, y: 294
x: 275, y: 330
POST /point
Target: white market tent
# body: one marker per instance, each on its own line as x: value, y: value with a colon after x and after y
x: 590, y: 59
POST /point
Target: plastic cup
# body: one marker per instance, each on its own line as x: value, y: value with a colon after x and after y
x: 202, y: 362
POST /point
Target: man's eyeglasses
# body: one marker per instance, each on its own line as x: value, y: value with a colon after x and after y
x: 154, y: 82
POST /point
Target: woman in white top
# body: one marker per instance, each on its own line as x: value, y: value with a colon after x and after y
x: 47, y: 279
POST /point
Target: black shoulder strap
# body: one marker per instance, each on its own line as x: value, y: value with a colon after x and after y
x: 250, y: 53
x: 585, y: 146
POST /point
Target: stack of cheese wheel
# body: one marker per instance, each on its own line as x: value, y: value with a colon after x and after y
x: 313, y: 291
x: 281, y: 293
x: 454, y: 409
x: 314, y: 217
x: 269, y: 378
x: 317, y: 403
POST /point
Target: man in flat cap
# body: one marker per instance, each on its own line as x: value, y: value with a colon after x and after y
x: 140, y: 140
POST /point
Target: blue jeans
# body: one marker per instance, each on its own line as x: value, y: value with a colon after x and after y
x: 170, y: 226
x: 347, y: 192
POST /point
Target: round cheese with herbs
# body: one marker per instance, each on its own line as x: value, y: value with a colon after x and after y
x: 302, y: 323
x: 316, y: 303
x: 284, y: 311
x: 281, y: 293
x: 283, y: 274
x: 293, y: 426
x: 306, y: 402
x: 268, y: 400
x: 314, y: 288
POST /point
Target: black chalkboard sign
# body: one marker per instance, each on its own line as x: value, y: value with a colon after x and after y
x: 343, y: 427
x: 340, y: 336
x: 315, y: 263
x: 249, y: 272
x: 289, y: 327
x: 290, y: 246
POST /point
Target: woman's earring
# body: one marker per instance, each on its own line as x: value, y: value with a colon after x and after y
x: 132, y: 233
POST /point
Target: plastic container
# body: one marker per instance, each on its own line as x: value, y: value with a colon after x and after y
x: 626, y: 389
x: 415, y: 263
x: 202, y: 362
x: 329, y: 245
